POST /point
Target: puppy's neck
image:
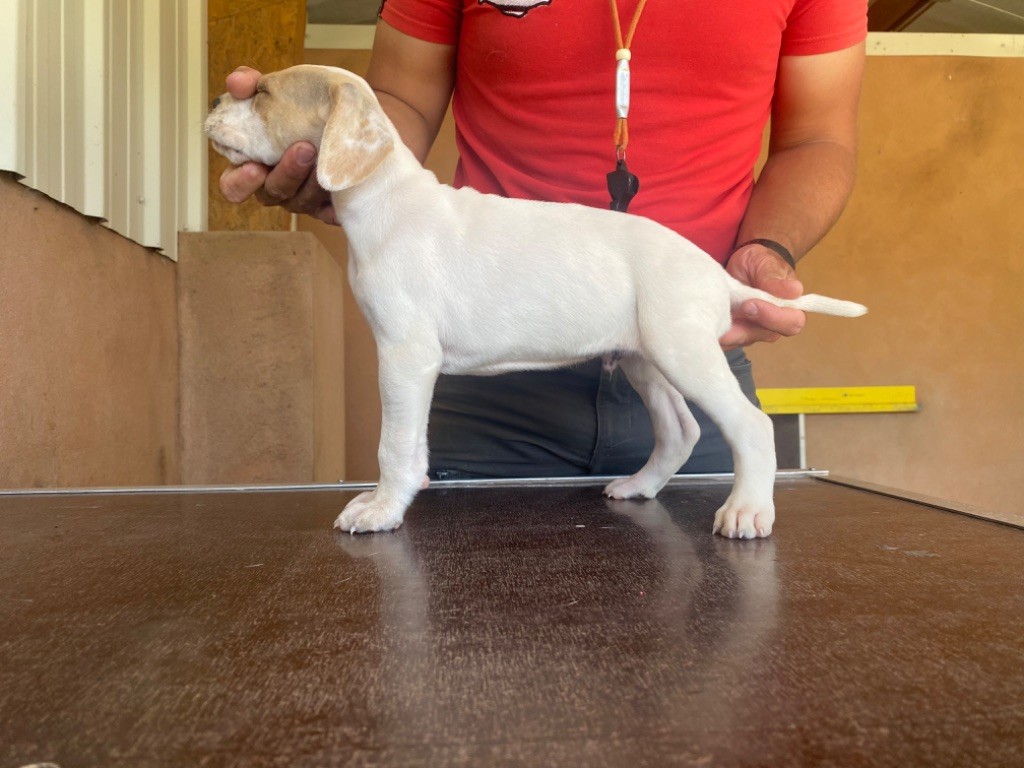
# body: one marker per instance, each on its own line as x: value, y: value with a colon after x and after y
x: 367, y: 209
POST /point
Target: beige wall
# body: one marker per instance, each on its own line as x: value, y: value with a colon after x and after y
x: 88, y: 351
x: 89, y: 344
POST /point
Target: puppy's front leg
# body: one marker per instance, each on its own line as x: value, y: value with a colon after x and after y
x: 407, y: 377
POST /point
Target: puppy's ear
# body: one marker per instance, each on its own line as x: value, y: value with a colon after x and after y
x: 356, y: 139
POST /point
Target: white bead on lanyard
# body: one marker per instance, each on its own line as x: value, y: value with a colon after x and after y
x: 622, y: 185
x: 622, y: 56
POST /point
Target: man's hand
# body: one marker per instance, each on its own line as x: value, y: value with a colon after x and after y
x: 757, y: 320
x: 290, y: 184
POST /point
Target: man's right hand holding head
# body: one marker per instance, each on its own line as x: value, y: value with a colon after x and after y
x: 290, y: 184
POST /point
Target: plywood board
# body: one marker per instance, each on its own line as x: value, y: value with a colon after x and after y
x: 266, y: 35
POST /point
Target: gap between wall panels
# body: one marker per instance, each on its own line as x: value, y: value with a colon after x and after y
x: 101, y: 108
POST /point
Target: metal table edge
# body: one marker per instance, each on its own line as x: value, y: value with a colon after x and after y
x: 530, y: 482
x: 1004, y: 518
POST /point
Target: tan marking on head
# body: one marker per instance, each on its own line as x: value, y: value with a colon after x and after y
x: 332, y: 109
x: 291, y: 104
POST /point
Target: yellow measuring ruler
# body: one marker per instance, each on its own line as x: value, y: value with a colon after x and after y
x: 838, y: 400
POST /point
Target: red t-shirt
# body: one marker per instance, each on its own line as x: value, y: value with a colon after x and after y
x: 534, y: 100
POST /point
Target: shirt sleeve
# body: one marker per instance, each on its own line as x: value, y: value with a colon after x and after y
x: 823, y: 26
x: 434, y: 21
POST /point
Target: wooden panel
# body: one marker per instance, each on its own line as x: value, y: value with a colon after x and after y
x: 267, y: 35
x: 894, y: 15
x: 931, y: 243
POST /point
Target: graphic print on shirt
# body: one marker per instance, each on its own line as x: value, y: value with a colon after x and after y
x: 516, y: 8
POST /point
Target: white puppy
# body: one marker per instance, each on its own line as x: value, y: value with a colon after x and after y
x: 454, y: 281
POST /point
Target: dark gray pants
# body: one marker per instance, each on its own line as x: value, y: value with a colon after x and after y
x: 573, y: 421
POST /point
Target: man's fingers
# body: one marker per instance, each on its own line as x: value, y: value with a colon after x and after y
x: 783, y: 287
x: 291, y: 183
x: 238, y: 184
x: 287, y: 177
x: 312, y: 199
x: 327, y: 215
x: 242, y: 82
x: 765, y: 269
x: 743, y: 334
x: 781, y: 320
x: 761, y: 320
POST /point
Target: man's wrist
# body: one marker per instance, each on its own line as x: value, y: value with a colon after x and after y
x: 771, y: 245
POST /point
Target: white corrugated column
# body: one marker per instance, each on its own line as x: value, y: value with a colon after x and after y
x: 101, y: 108
x: 191, y: 203
x: 12, y: 86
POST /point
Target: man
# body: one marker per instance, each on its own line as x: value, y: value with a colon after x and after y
x: 534, y: 103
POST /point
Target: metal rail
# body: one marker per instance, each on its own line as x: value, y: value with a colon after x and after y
x: 532, y: 482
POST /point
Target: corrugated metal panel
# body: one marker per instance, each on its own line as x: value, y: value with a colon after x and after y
x: 192, y: 185
x: 101, y: 107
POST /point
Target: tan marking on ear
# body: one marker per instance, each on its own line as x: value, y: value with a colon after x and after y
x: 356, y: 139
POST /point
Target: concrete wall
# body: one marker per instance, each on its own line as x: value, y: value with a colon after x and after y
x: 104, y: 345
x: 88, y: 351
x: 262, y: 369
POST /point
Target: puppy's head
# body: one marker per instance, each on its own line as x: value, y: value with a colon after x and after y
x: 333, y: 109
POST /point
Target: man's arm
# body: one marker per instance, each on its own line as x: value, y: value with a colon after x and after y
x: 803, y: 187
x: 413, y: 80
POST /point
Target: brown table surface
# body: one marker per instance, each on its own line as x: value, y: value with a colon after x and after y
x: 507, y: 626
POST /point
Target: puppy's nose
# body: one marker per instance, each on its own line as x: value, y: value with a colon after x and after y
x: 214, y: 103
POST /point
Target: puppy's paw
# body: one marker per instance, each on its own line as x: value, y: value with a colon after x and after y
x: 634, y: 487
x: 367, y: 513
x: 739, y: 520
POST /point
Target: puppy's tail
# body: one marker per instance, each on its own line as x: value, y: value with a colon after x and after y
x: 810, y: 302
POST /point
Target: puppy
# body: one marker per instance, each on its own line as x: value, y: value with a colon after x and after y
x: 454, y: 281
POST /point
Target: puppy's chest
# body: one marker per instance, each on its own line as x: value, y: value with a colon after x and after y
x: 392, y: 297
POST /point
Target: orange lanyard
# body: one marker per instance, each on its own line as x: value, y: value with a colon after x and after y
x: 622, y: 184
x: 622, y: 57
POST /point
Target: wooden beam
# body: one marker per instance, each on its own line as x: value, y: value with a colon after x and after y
x: 265, y: 34
x: 894, y: 15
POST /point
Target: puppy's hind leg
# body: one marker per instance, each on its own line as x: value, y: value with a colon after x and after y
x: 407, y: 377
x: 675, y: 432
x: 692, y: 361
